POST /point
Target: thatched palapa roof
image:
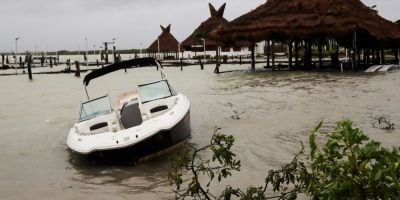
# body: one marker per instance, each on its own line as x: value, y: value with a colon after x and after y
x: 203, y: 31
x: 168, y: 43
x: 312, y: 19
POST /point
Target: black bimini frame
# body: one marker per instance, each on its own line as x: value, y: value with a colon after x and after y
x: 134, y: 63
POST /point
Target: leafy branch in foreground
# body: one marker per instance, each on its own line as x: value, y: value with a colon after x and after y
x: 348, y: 166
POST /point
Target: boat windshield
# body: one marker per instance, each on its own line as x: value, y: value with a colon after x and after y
x: 94, y: 108
x: 154, y: 91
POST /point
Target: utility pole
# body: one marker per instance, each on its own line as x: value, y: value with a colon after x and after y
x: 87, y: 56
x: 16, y: 52
x: 114, y: 53
x: 141, y: 49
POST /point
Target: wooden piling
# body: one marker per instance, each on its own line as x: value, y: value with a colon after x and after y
x: 115, y: 55
x: 20, y: 62
x: 2, y: 60
x: 97, y: 62
x: 106, y: 52
x: 42, y: 60
x: 268, y: 53
x: 240, y: 59
x: 7, y: 60
x: 78, y: 71
x: 201, y: 65
x: 29, y: 67
x: 51, y: 62
x: 383, y: 56
x: 396, y: 56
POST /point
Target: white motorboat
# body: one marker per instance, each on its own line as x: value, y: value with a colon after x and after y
x: 381, y: 68
x: 146, y: 120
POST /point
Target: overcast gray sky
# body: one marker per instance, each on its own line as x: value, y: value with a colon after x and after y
x: 63, y: 24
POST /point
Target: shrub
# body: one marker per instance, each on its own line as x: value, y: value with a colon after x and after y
x: 348, y: 166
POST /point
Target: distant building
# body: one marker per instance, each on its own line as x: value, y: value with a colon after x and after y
x: 165, y: 46
x: 194, y: 44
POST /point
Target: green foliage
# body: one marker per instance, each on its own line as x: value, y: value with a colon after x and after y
x: 348, y: 166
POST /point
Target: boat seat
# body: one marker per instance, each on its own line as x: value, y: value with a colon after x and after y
x: 130, y: 114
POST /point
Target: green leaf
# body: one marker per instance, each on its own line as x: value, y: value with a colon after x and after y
x: 362, y: 165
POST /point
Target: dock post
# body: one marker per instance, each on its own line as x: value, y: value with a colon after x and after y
x: 97, y: 62
x: 42, y: 60
x: 396, y: 56
x: 114, y: 55
x: 2, y: 60
x: 78, y: 72
x: 7, y: 61
x: 29, y: 66
x: 51, y: 63
x: 106, y: 52
x: 201, y: 65
x: 240, y: 59
x: 20, y: 62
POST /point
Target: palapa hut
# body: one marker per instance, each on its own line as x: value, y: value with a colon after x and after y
x: 165, y: 43
x: 195, y: 41
x: 349, y: 23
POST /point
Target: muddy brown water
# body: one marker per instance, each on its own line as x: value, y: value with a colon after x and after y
x: 279, y: 110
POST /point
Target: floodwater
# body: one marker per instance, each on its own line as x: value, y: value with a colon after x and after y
x: 279, y: 110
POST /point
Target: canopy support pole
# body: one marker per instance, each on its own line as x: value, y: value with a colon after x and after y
x: 296, y: 46
x: 383, y: 55
x: 319, y: 54
x: 268, y: 52
x: 353, y: 60
x: 273, y: 55
x: 216, y: 70
x: 253, y: 60
x: 290, y: 54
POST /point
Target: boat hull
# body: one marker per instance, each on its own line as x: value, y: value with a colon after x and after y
x: 154, y: 144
